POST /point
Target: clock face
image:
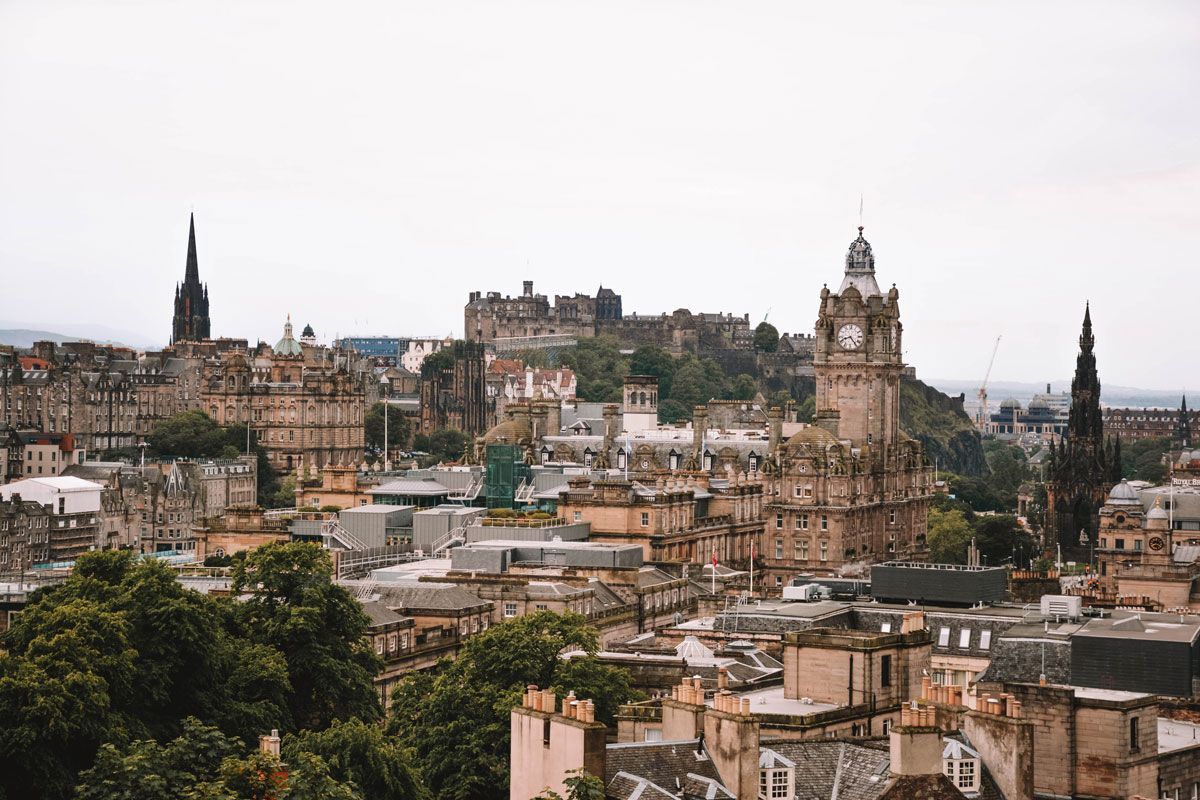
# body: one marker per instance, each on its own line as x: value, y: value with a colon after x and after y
x: 1156, y: 543
x: 850, y: 337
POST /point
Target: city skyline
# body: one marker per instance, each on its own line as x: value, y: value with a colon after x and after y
x: 1010, y: 172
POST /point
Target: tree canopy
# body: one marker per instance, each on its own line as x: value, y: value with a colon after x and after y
x: 1143, y: 459
x: 766, y: 337
x: 456, y: 719
x: 398, y: 428
x: 121, y: 653
x: 446, y: 444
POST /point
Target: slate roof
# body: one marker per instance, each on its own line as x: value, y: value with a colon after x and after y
x: 624, y: 786
x: 433, y: 596
x: 1017, y: 657
x: 660, y: 763
x: 379, y: 614
x: 859, y: 770
x: 922, y: 787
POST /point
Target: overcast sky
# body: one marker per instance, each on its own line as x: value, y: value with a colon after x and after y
x: 363, y: 165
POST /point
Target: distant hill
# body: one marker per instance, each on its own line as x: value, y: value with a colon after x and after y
x: 25, y: 337
x: 1023, y: 392
x: 939, y: 422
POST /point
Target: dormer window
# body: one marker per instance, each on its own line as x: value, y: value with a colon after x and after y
x: 776, y: 776
x: 708, y: 461
x: 960, y: 764
x: 622, y: 459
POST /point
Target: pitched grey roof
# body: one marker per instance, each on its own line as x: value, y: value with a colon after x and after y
x: 660, y: 763
x: 859, y: 770
x: 433, y: 596
x: 379, y: 614
x: 1017, y: 657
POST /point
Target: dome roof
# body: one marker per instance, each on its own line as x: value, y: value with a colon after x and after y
x: 1123, y: 494
x: 1157, y: 512
x: 1039, y: 404
x: 691, y: 649
x: 1010, y: 402
x: 507, y: 432
x: 308, y: 332
x: 813, y: 436
x: 288, y: 346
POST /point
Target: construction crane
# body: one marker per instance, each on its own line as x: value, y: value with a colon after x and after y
x: 981, y: 420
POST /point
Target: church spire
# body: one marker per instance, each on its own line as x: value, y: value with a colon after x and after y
x: 190, y: 323
x: 192, y: 273
x: 1183, y: 426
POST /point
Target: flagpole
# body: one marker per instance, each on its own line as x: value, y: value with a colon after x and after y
x: 714, y: 571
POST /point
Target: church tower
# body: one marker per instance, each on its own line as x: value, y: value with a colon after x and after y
x: 1183, y: 427
x: 858, y: 359
x: 190, y: 323
x: 1084, y: 467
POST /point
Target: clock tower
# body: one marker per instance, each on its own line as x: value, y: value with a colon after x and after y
x: 858, y: 358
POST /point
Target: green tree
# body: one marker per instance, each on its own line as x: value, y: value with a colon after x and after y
x: 436, y: 362
x: 445, y: 444
x: 456, y: 721
x: 744, y: 387
x: 1000, y: 538
x: 653, y: 360
x: 697, y: 381
x: 360, y: 755
x: 397, y: 427
x: 187, y: 766
x: 766, y: 337
x: 294, y: 606
x: 581, y: 785
x: 600, y: 368
x: 1142, y: 460
x: 672, y: 411
x: 948, y: 538
x: 190, y: 434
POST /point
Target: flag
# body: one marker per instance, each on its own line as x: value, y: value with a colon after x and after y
x: 714, y: 559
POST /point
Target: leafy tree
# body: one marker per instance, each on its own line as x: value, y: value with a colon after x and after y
x: 999, y: 538
x: 445, y: 444
x: 358, y: 754
x: 457, y: 720
x: 534, y: 357
x: 606, y: 686
x: 600, y: 368
x: 806, y: 409
x: 1142, y: 460
x: 122, y: 651
x: 295, y: 607
x: 652, y: 360
x: 436, y: 362
x: 672, y: 411
x: 581, y: 785
x: 766, y: 337
x: 697, y: 381
x: 187, y: 766
x: 397, y: 427
x: 744, y: 387
x: 948, y: 537
x: 191, y: 434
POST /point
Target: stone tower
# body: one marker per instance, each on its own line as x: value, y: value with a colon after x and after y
x: 190, y: 323
x: 1183, y: 427
x: 858, y: 359
x: 1084, y: 467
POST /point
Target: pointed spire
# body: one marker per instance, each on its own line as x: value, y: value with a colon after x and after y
x: 192, y: 274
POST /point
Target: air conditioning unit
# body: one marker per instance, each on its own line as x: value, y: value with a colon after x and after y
x: 1058, y: 606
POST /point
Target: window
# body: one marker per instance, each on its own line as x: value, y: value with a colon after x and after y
x: 645, y: 519
x: 892, y: 517
x: 798, y: 491
x: 779, y: 548
x: 804, y: 549
x: 944, y: 637
x: 778, y: 581
x: 779, y: 784
x: 887, y: 727
x: 964, y: 638
x: 802, y: 522
x: 824, y: 522
x: 1120, y: 544
x: 885, y: 671
x: 1137, y: 544
x: 753, y: 463
x: 966, y: 774
x: 510, y: 609
x: 1134, y: 743
x: 654, y: 734
x: 541, y: 607
x: 778, y: 521
x: 577, y: 516
x: 985, y: 640
x: 824, y: 551
x: 622, y: 459
x: 379, y: 645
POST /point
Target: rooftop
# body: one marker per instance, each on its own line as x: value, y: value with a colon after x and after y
x: 1174, y: 734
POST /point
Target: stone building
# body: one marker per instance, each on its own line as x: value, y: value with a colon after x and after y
x: 1082, y: 469
x: 191, y: 322
x: 1132, y: 424
x: 303, y: 403
x: 457, y: 397
x: 852, y: 487
x: 72, y: 508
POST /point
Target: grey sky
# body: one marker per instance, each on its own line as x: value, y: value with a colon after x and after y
x: 364, y: 165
